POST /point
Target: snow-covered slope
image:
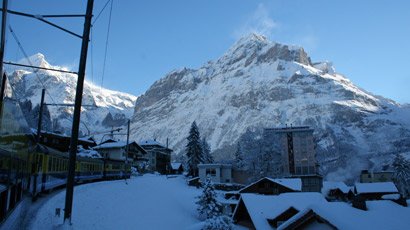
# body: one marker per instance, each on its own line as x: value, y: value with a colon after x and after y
x: 60, y: 88
x: 258, y: 83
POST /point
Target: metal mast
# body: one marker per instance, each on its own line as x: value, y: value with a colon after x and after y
x: 77, y: 112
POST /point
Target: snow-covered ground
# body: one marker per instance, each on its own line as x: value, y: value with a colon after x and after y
x: 144, y: 202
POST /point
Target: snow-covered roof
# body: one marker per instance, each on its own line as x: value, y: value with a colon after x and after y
x: 90, y: 153
x: 380, y: 215
x: 379, y: 187
x: 110, y: 145
x: 329, y: 185
x: 264, y: 207
x: 175, y: 166
x: 85, y: 139
x: 292, y: 183
x: 150, y: 142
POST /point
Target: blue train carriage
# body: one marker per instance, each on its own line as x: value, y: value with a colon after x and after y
x: 116, y: 169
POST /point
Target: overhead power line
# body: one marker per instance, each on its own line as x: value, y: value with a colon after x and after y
x: 106, y: 45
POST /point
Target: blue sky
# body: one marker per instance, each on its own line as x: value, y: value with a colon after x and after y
x: 366, y: 40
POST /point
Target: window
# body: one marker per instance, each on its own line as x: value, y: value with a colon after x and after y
x: 211, y: 172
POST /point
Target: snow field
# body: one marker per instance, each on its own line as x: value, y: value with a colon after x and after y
x: 146, y: 202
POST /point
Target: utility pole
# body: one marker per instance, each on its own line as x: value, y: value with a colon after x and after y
x: 40, y: 115
x: 2, y: 44
x: 127, y: 149
x: 2, y: 92
x: 3, y: 34
x: 77, y: 112
x: 128, y: 138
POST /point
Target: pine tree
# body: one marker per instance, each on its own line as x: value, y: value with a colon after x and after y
x: 194, y: 150
x: 206, y: 152
x: 401, y: 175
x: 239, y: 161
x: 208, y: 206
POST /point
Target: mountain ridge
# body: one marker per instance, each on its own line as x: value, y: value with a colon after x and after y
x: 27, y: 84
x: 257, y: 84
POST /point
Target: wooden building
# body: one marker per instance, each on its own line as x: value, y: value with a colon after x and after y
x: 176, y: 168
x: 374, y: 191
x: 117, y: 150
x: 255, y: 211
x: 61, y: 142
x: 158, y: 155
x: 307, y: 219
x: 337, y: 191
x: 269, y: 186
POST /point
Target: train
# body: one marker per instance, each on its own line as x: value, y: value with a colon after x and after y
x: 28, y: 167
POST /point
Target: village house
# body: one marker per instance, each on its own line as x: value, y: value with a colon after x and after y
x: 371, y: 177
x: 159, y: 156
x: 269, y: 186
x: 256, y: 211
x: 337, y: 191
x: 312, y: 211
x: 117, y: 150
x: 61, y: 142
x: 219, y: 173
x: 374, y: 191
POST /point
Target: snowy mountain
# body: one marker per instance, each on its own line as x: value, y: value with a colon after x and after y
x: 105, y: 108
x: 257, y: 84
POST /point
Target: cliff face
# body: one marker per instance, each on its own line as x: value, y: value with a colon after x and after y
x: 258, y: 83
x: 60, y: 88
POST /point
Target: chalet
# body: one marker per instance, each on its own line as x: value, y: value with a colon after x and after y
x: 371, y: 177
x: 312, y: 211
x: 117, y: 150
x: 269, y: 186
x: 159, y: 156
x: 337, y: 191
x: 307, y: 219
x: 374, y: 191
x: 256, y: 211
x: 176, y: 168
x: 219, y: 173
x: 61, y: 142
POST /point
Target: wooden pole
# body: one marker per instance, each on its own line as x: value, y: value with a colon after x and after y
x: 77, y: 112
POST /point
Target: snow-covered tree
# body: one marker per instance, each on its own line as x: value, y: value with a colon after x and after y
x: 222, y: 222
x: 194, y: 150
x: 208, y: 206
x: 206, y: 152
x: 401, y: 174
x: 239, y: 162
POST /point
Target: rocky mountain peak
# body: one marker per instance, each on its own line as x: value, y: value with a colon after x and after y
x: 255, y: 48
x: 257, y: 84
x: 37, y: 59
